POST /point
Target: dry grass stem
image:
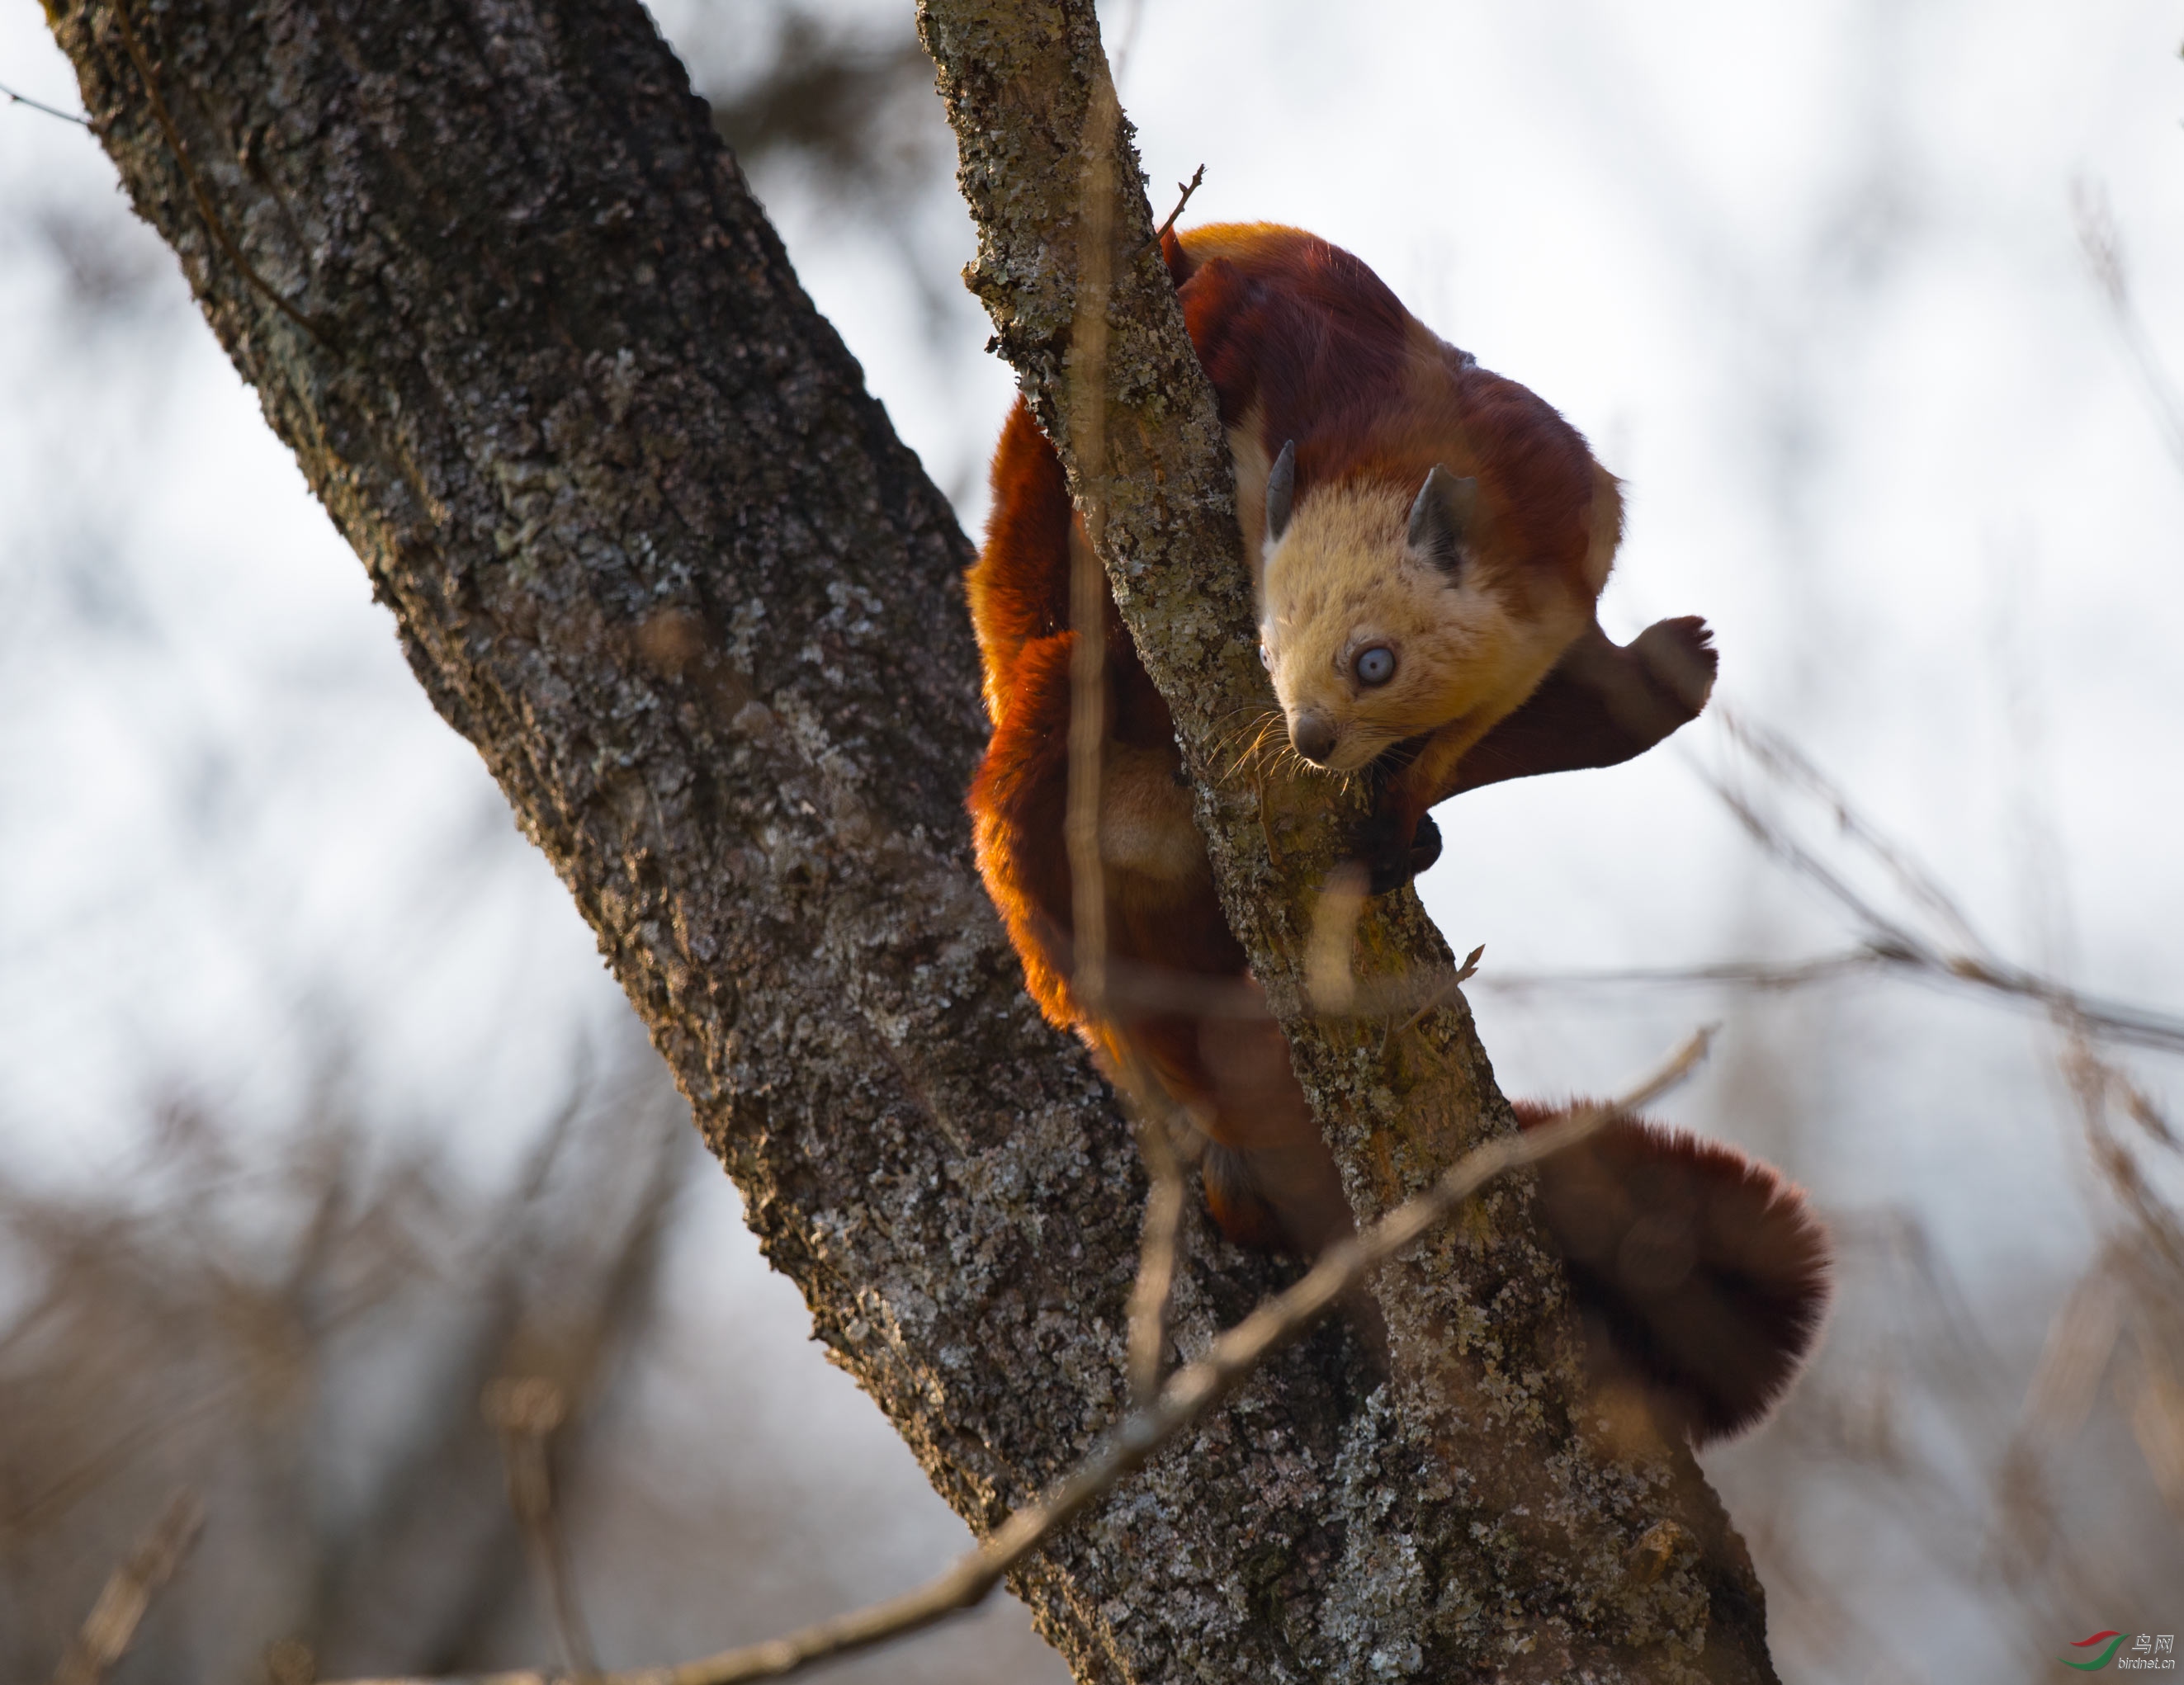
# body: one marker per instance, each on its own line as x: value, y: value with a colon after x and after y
x: 526, y: 1411
x: 1327, y: 972
x: 1088, y: 724
x: 2094, y: 1081
x: 2157, y: 1424
x: 1134, y: 987
x: 1789, y: 764
x: 2080, y: 1340
x: 1160, y: 1248
x: 2116, y: 1020
x: 1190, y: 1393
x: 1088, y: 579
x: 111, y: 1627
x: 1964, y: 957
x: 2102, y: 245
x: 2122, y: 1321
x: 189, y: 1317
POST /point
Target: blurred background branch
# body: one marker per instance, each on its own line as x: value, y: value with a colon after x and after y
x: 111, y: 1627
x: 287, y: 1004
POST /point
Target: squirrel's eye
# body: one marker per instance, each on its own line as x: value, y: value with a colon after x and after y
x: 1375, y: 666
x: 1266, y: 657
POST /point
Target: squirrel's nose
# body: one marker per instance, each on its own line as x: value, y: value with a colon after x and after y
x: 1313, y: 734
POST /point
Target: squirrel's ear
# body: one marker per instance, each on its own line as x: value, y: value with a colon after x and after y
x: 1442, y: 517
x: 1281, y: 487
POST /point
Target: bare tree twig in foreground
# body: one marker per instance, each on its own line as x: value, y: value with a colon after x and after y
x: 526, y: 1411
x: 1185, y: 189
x: 2119, y: 1020
x: 1160, y: 1248
x: 15, y: 98
x: 111, y: 1627
x: 1192, y: 1391
x: 1962, y: 955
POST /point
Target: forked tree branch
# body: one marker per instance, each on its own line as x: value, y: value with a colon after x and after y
x: 650, y: 546
x: 1189, y: 1394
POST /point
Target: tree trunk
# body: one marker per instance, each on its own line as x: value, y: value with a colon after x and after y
x: 652, y: 549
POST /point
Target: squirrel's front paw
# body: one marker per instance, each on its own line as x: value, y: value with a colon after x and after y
x: 1392, y: 860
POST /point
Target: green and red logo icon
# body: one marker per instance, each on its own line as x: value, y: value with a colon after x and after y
x: 2110, y: 1643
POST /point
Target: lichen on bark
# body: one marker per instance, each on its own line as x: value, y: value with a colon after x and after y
x: 651, y: 547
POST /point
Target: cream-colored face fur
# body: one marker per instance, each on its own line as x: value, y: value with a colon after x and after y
x: 1341, y: 580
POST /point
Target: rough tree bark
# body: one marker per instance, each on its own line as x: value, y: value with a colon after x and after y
x: 651, y: 547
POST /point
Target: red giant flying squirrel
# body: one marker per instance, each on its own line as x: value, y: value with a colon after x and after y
x: 1428, y: 541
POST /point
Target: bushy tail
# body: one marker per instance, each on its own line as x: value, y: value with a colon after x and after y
x: 1701, y: 1274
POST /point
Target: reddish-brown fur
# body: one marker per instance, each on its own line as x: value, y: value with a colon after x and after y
x: 1699, y: 1272
x: 1304, y: 335
x: 1695, y: 1269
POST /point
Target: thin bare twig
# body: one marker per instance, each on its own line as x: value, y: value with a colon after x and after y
x: 1791, y: 765
x: 1799, y: 858
x: 2093, y: 1080
x: 2148, y: 1117
x: 1753, y: 974
x: 1125, y: 40
x: 1160, y: 1242
x: 111, y: 1627
x: 1087, y: 578
x: 1439, y: 995
x: 526, y: 1411
x: 1142, y: 1094
x: 2103, y: 247
x: 1135, y: 989
x: 2113, y: 1020
x: 1186, y: 188
x: 1190, y: 1393
x: 9, y: 93
x: 1971, y: 960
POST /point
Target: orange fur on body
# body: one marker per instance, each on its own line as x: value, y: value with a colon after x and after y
x: 1500, y: 671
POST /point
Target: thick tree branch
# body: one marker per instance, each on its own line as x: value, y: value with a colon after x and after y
x: 650, y: 546
x: 1481, y: 1464
x: 1152, y: 1422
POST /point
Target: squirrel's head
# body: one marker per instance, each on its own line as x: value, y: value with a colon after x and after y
x: 1385, y: 614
